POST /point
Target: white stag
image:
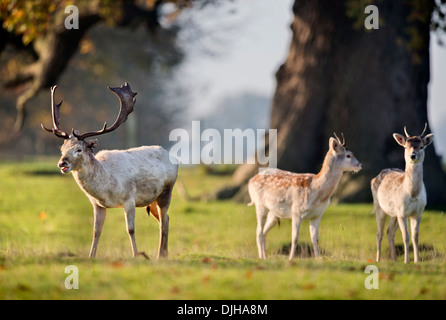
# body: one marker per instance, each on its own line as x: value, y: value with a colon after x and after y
x: 279, y: 194
x: 137, y: 177
x: 401, y: 195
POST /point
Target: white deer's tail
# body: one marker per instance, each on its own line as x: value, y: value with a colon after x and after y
x: 250, y: 204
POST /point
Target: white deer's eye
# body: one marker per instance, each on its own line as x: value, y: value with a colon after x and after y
x: 348, y: 156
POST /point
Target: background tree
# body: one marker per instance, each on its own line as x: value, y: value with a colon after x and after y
x: 116, y: 41
x: 341, y: 77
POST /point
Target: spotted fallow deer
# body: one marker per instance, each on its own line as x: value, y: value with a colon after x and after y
x: 137, y: 177
x: 401, y: 195
x: 279, y: 194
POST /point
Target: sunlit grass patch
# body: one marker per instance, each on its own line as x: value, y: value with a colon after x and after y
x: 46, y: 224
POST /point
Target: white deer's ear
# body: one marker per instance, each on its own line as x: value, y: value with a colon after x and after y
x: 400, y: 139
x: 92, y: 143
x: 334, y: 144
x: 427, y: 140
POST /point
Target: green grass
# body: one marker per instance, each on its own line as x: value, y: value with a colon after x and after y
x: 46, y: 224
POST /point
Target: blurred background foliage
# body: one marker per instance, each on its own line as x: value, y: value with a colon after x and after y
x: 117, y: 41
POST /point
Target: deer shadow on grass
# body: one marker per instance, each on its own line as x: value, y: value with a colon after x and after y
x: 427, y: 252
x: 303, y: 250
x: 43, y: 172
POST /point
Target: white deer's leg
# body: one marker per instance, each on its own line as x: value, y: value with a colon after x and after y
x: 99, y: 218
x: 163, y: 202
x: 130, y: 223
x: 164, y: 235
x: 380, y: 221
x: 314, y: 234
x: 295, y: 225
x: 402, y: 222
x: 261, y: 213
x: 414, y: 230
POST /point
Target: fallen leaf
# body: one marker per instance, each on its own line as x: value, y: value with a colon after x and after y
x: 175, y: 290
x: 206, y: 279
x: 23, y: 287
x: 423, y: 290
x: 308, y: 286
x: 206, y: 260
x: 386, y: 276
x: 249, y: 274
x: 42, y: 216
x: 117, y: 264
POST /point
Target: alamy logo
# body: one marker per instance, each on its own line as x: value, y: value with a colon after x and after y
x: 234, y: 146
x: 372, y: 20
x: 72, y: 280
x: 371, y: 281
x: 72, y: 20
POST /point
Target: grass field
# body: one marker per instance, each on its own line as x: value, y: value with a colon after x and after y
x: 46, y: 225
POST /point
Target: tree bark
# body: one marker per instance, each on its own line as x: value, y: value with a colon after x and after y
x: 366, y: 84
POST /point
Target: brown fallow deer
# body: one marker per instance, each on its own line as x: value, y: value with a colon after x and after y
x: 279, y: 194
x: 401, y: 195
x: 137, y: 177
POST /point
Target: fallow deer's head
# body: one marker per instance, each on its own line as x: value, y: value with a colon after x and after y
x: 414, y: 145
x: 75, y: 149
x: 344, y: 157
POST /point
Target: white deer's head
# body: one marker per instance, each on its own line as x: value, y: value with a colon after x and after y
x: 76, y: 151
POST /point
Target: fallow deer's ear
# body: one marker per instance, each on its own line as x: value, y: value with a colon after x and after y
x: 334, y: 144
x: 92, y: 143
x: 400, y: 139
x: 427, y: 140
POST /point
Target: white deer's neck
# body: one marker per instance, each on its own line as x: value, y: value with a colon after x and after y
x: 88, y: 176
x: 413, y: 179
x: 327, y: 180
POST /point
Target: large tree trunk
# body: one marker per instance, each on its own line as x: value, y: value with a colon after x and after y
x: 366, y: 84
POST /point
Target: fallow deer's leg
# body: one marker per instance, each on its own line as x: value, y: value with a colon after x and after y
x: 261, y: 213
x: 402, y: 222
x: 414, y: 230
x: 314, y: 234
x: 295, y: 225
x: 391, y: 230
x: 271, y: 221
x: 380, y: 221
x: 99, y: 218
x: 130, y: 223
